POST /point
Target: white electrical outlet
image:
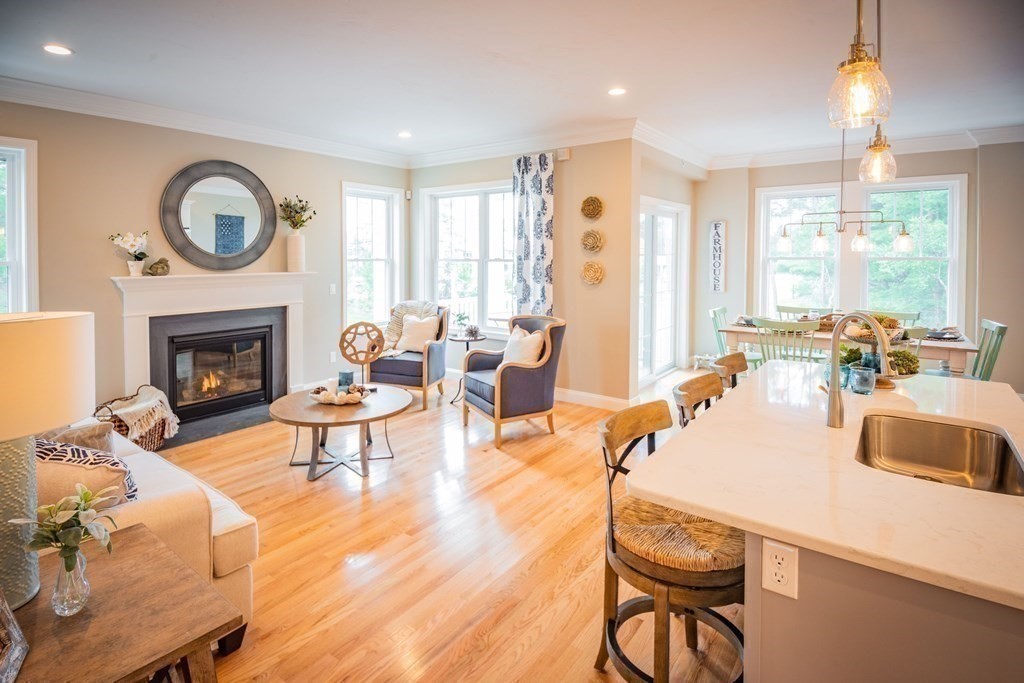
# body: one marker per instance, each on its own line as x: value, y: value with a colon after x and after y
x: 780, y: 565
x: 334, y: 289
x: 334, y: 356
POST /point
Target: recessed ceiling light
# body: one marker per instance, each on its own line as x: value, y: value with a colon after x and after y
x: 55, y: 49
x: 404, y: 134
x: 615, y: 92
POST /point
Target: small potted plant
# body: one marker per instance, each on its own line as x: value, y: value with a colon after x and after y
x: 461, y: 319
x: 296, y: 213
x: 66, y: 525
x: 135, y: 247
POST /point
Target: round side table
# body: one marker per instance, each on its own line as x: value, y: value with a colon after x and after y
x: 462, y: 380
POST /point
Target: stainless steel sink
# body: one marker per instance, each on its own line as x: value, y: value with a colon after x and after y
x: 949, y: 454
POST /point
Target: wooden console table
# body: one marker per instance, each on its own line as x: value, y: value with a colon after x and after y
x: 147, y: 610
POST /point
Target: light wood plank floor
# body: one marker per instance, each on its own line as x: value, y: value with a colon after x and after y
x: 453, y: 562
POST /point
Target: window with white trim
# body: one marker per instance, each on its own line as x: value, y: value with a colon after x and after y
x: 17, y: 269
x: 929, y: 280
x: 656, y: 291
x: 473, y: 233
x: 372, y: 220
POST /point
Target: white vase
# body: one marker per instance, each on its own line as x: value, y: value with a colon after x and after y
x: 135, y: 268
x: 296, y: 246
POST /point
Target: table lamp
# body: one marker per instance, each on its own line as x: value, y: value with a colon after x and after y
x: 47, y: 380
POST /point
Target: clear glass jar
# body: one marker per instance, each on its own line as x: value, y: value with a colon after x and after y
x: 862, y: 380
x: 72, y: 589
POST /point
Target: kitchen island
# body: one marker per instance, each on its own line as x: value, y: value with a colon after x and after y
x: 898, y: 577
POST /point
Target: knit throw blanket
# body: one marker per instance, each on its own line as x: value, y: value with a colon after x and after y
x: 420, y: 309
x: 144, y: 411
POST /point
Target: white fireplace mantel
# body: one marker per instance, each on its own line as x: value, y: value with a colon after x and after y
x: 145, y: 297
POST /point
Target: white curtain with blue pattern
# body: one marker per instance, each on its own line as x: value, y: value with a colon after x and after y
x: 533, y: 187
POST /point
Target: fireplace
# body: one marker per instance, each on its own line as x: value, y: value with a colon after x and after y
x: 214, y: 363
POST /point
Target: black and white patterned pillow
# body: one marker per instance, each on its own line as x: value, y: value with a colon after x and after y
x: 97, y: 470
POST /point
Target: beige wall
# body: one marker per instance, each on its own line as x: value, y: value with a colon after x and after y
x: 1001, y: 250
x: 98, y: 176
x: 595, y: 356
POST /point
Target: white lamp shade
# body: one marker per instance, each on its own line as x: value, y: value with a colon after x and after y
x: 47, y: 371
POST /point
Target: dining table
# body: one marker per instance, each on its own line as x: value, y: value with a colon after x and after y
x: 952, y: 352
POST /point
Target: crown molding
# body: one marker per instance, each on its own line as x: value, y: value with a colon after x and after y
x: 618, y: 130
x: 650, y: 135
x: 968, y: 139
x: 79, y: 102
x: 997, y: 136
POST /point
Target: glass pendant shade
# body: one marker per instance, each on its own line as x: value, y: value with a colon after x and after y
x: 904, y: 243
x: 878, y: 164
x: 860, y: 95
x: 820, y: 243
x: 784, y: 245
x: 860, y: 241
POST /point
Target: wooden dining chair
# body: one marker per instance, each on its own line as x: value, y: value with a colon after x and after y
x: 786, y: 339
x: 729, y: 367
x: 797, y: 312
x: 693, y: 393
x: 989, y: 344
x: 682, y: 563
x: 906, y: 318
x: 719, y: 319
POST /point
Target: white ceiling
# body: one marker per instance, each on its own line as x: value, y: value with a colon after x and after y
x: 723, y: 77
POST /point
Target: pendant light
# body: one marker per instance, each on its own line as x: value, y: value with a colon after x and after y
x: 860, y: 95
x: 904, y: 243
x: 784, y: 245
x: 820, y: 243
x: 878, y: 164
x: 860, y: 241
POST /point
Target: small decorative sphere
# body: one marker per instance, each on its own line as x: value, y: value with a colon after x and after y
x: 361, y: 353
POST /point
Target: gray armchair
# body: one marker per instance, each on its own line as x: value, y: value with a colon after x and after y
x: 417, y: 369
x: 504, y: 391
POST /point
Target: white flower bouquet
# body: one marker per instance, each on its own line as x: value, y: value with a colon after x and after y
x: 69, y: 523
x: 134, y: 245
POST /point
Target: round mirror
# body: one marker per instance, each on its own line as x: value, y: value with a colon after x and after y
x: 218, y: 215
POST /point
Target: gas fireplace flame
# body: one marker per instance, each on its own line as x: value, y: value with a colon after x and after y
x: 210, y: 382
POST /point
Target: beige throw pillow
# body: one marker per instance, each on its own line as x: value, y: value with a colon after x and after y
x: 416, y: 332
x: 99, y: 436
x: 523, y: 347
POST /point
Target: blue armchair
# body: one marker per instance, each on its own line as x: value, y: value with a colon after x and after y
x: 504, y: 391
x: 417, y: 369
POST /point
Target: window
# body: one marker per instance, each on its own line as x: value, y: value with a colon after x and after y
x: 800, y: 277
x: 925, y: 279
x: 657, y: 286
x: 372, y: 217
x: 474, y: 237
x: 929, y: 280
x: 18, y: 276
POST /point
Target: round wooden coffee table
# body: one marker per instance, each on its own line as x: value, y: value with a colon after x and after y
x: 300, y: 410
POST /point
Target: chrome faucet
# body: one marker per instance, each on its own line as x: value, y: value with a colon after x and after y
x: 835, y: 396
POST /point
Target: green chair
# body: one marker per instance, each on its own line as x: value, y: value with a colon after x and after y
x: 786, y: 339
x: 991, y: 341
x: 906, y: 318
x: 796, y: 312
x: 719, y: 319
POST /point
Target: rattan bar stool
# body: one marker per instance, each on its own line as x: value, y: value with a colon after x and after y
x: 693, y: 392
x: 729, y: 367
x: 684, y: 564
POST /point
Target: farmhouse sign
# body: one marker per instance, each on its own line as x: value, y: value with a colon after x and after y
x: 717, y: 256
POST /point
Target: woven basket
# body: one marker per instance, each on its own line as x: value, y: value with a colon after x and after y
x: 827, y: 321
x: 152, y: 440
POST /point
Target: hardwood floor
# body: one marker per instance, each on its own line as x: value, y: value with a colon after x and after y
x: 453, y: 562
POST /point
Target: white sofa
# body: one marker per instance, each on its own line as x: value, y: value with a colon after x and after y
x: 207, y: 530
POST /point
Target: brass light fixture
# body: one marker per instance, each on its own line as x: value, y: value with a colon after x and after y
x: 878, y: 164
x: 860, y: 95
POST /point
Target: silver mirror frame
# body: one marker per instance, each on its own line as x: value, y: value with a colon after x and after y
x: 170, y: 214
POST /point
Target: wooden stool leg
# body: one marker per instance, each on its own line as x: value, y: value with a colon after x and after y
x: 611, y: 611
x: 691, y: 632
x: 661, y: 633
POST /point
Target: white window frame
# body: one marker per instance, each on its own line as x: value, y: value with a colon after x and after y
x: 22, y: 222
x: 428, y: 208
x: 395, y: 253
x: 851, y: 266
x: 956, y: 185
x: 762, y: 197
x: 681, y: 284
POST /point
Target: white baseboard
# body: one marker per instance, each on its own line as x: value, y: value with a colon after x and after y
x: 593, y: 400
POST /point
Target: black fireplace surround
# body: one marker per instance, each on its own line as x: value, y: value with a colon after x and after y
x: 218, y: 362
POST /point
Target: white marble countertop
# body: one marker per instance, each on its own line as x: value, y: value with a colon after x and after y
x: 763, y: 460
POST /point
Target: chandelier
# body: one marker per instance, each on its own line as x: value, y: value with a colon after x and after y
x: 859, y: 97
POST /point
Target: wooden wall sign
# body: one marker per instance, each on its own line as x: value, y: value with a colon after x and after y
x: 717, y: 243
